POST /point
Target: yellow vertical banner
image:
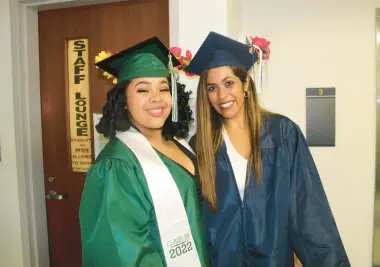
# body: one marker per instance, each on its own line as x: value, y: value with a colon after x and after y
x: 79, y: 102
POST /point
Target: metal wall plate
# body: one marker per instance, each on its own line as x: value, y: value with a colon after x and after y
x: 320, y: 116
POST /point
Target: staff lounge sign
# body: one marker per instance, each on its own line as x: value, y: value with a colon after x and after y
x: 79, y: 103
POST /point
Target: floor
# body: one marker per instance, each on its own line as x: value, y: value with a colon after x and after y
x: 376, y: 251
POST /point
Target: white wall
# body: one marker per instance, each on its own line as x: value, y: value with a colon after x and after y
x: 320, y: 44
x: 11, y: 236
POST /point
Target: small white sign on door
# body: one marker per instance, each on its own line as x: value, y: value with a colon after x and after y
x: 99, y: 140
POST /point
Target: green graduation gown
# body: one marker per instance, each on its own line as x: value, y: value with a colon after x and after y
x: 118, y: 222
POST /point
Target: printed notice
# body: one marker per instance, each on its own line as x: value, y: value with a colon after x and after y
x: 79, y: 101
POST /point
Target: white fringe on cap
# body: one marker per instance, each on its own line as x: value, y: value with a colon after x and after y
x: 259, y: 82
x: 174, y: 76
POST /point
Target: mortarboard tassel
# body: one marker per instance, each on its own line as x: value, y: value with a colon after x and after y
x: 174, y: 90
x: 259, y: 81
x: 260, y: 74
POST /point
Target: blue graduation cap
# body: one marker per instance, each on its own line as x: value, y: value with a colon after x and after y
x: 218, y: 50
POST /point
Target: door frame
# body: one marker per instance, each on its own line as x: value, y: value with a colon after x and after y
x: 26, y: 90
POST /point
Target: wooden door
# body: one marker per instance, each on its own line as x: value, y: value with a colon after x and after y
x: 112, y: 27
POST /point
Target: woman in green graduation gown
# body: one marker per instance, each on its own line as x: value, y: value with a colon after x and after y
x: 140, y: 204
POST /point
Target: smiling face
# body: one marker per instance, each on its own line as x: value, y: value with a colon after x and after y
x: 148, y: 103
x: 225, y: 92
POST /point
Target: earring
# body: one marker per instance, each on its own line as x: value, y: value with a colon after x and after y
x: 125, y: 107
x: 247, y: 93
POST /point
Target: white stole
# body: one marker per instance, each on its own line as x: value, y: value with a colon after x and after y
x: 175, y: 232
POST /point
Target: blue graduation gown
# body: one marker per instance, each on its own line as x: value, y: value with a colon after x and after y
x: 287, y: 212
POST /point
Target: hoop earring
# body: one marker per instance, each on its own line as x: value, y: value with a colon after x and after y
x: 247, y: 93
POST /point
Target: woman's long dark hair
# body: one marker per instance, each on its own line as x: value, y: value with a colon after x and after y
x: 116, y: 118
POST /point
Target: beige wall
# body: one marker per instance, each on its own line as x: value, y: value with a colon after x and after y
x: 321, y: 44
x: 378, y: 95
x: 11, y: 247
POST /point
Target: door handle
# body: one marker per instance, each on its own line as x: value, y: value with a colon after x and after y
x: 54, y: 196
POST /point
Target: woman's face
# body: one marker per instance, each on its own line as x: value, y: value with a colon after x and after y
x: 148, y: 102
x: 225, y: 92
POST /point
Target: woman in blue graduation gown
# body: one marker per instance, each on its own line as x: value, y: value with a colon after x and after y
x: 140, y: 205
x: 264, y: 200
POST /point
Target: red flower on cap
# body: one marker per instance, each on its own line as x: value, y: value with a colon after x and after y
x: 263, y: 44
x: 184, y: 60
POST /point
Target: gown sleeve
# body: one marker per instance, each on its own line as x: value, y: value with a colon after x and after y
x: 313, y: 232
x: 114, y: 218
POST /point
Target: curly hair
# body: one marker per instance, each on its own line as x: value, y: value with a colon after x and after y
x: 116, y: 118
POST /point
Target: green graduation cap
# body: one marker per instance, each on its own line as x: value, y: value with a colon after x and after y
x: 149, y: 58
